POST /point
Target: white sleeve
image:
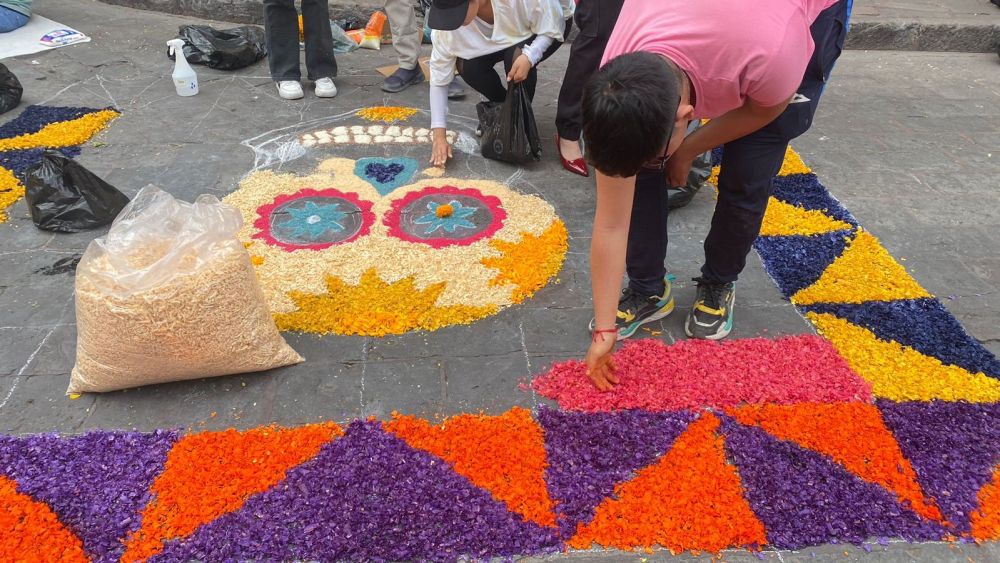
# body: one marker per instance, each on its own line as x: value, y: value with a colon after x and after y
x: 439, y: 106
x: 442, y: 63
x: 537, y: 48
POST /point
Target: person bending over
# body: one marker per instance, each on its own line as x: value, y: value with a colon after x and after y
x: 756, y: 69
x: 473, y: 36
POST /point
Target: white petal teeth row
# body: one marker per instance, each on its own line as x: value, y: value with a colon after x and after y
x: 371, y: 134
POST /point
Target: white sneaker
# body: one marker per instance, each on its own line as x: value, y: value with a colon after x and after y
x: 325, y: 88
x: 290, y: 89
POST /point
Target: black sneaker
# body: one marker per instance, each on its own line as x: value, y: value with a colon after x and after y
x: 635, y: 310
x: 711, y: 316
x: 402, y: 79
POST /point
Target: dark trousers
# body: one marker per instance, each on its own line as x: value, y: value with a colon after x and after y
x: 746, y: 180
x: 281, y: 24
x: 480, y: 74
x: 596, y: 20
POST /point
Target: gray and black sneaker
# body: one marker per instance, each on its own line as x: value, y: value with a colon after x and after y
x: 711, y: 316
x: 635, y: 310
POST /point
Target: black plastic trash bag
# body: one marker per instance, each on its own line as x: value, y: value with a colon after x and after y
x: 222, y: 49
x: 10, y: 90
x: 65, y: 197
x: 509, y: 132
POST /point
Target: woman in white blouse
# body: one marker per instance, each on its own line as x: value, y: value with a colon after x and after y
x: 472, y: 36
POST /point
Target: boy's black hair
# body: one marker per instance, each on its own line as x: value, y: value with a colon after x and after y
x: 629, y: 110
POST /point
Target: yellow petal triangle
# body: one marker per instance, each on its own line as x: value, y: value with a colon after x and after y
x: 785, y: 219
x: 901, y: 373
x: 793, y: 164
x: 864, y: 272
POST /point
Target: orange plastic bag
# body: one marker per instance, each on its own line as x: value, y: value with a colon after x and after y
x: 373, y: 31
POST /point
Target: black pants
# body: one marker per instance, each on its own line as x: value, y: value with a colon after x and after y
x: 596, y: 20
x: 479, y: 73
x: 746, y: 181
x: 281, y: 24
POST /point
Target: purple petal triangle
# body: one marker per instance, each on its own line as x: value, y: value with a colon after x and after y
x: 804, y: 498
x: 590, y: 453
x: 367, y: 496
x: 953, y: 448
x: 96, y: 483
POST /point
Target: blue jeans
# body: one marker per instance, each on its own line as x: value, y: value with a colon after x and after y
x: 11, y: 20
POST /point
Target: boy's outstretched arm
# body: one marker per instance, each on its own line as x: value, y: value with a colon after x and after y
x: 607, y: 267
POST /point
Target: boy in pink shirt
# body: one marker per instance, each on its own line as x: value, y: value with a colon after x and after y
x: 756, y: 69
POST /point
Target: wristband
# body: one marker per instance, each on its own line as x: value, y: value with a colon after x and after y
x: 600, y: 331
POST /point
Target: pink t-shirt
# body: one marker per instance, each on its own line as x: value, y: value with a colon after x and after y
x: 731, y: 49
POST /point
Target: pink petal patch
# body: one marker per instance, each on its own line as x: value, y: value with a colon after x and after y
x: 695, y: 374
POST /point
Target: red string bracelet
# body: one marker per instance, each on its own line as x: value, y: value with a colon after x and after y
x: 597, y: 331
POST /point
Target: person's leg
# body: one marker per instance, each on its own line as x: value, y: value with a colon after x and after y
x: 320, y: 61
x: 282, y: 30
x: 406, y: 34
x: 406, y: 37
x: 647, y: 233
x: 11, y: 20
x: 595, y: 20
x: 480, y: 73
x: 746, y: 181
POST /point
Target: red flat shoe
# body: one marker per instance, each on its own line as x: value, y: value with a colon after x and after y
x: 577, y: 166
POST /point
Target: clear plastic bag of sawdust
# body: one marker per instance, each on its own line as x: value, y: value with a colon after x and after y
x: 170, y: 294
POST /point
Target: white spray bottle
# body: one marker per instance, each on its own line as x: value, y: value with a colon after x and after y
x: 185, y: 80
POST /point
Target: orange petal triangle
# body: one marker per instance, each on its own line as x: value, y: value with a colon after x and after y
x: 503, y: 454
x: 852, y: 434
x: 986, y: 519
x: 691, y: 499
x: 31, y: 531
x: 210, y: 474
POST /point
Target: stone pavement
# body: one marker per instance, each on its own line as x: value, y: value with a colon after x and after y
x: 907, y: 25
x: 907, y: 141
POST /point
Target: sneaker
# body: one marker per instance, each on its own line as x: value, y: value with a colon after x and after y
x: 290, y: 89
x: 635, y: 310
x: 325, y: 88
x: 402, y: 79
x: 711, y: 316
x: 455, y: 89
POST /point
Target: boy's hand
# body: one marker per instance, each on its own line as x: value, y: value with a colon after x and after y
x: 678, y: 168
x: 600, y: 366
x: 519, y: 70
x: 441, y: 150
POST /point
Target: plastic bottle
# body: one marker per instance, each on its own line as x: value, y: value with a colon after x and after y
x: 185, y: 80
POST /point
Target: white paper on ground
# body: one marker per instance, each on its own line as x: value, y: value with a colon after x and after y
x: 24, y: 41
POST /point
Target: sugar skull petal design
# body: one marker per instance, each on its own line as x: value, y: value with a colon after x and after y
x: 356, y: 259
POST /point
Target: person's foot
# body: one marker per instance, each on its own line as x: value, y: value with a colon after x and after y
x: 456, y: 90
x: 635, y: 310
x: 572, y: 158
x: 681, y: 196
x: 402, y: 79
x: 290, y: 89
x: 570, y: 150
x: 325, y: 88
x: 711, y: 317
